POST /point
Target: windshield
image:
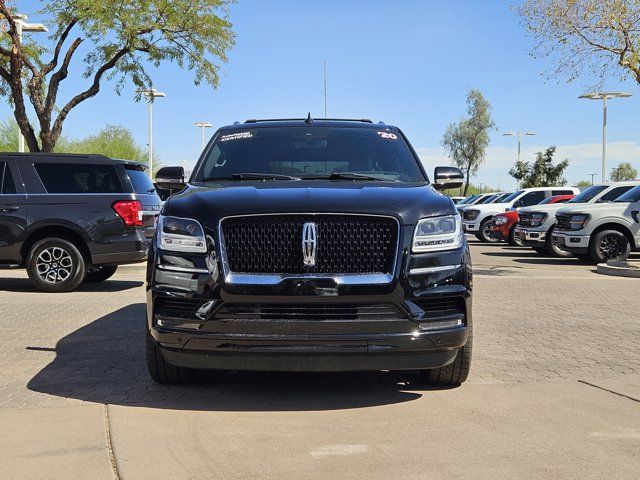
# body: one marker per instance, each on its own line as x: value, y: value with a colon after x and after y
x: 631, y: 196
x: 513, y: 196
x: 589, y: 194
x: 309, y: 153
x: 468, y: 199
x: 487, y: 199
x: 501, y: 197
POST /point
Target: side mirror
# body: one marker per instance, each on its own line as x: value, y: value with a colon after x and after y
x: 447, y: 177
x: 170, y: 178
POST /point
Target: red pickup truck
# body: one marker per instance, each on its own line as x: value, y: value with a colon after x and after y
x: 504, y: 224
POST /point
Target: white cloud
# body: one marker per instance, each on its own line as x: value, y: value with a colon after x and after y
x: 583, y: 158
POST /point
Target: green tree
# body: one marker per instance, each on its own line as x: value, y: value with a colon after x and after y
x: 624, y: 171
x: 542, y: 172
x: 583, y: 183
x: 114, y: 141
x: 596, y: 36
x: 120, y: 41
x: 8, y: 136
x: 466, y: 141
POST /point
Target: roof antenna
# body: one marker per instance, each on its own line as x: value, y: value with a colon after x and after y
x: 308, y: 121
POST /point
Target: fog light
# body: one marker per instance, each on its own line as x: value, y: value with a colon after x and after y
x: 439, y: 325
x: 176, y: 323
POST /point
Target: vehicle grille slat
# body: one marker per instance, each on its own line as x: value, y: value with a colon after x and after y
x: 347, y: 244
x: 562, y: 222
x: 325, y: 312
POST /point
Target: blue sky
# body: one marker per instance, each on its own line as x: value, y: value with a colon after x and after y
x: 408, y: 63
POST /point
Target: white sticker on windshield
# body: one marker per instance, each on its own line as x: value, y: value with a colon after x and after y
x: 235, y: 136
x: 388, y: 136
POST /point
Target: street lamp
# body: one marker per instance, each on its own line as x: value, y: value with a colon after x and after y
x: 592, y: 175
x: 151, y: 94
x: 23, y: 27
x: 519, y: 135
x: 203, y: 126
x: 604, y: 96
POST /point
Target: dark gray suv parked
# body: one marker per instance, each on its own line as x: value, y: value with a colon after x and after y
x: 73, y: 218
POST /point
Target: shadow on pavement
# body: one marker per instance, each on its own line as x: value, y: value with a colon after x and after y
x: 104, y: 362
x: 23, y: 285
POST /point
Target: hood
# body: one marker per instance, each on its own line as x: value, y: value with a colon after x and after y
x: 408, y: 202
x: 595, y: 207
x: 491, y: 207
x: 547, y: 208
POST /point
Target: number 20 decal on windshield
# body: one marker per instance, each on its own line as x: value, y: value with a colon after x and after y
x: 387, y: 135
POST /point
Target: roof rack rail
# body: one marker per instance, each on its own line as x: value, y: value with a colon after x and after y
x: 256, y: 120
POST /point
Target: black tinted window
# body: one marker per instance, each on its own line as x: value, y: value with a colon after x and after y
x: 532, y: 198
x: 78, y: 178
x: 614, y: 193
x: 310, y: 152
x: 7, y: 186
x: 631, y: 196
x: 562, y: 192
x: 588, y: 194
x: 140, y: 180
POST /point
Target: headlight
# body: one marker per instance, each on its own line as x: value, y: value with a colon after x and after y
x: 471, y: 214
x: 499, y: 220
x: 181, y: 235
x: 577, y: 222
x: 537, y: 219
x: 438, y: 233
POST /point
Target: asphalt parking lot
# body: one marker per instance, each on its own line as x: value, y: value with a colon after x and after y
x: 554, y: 391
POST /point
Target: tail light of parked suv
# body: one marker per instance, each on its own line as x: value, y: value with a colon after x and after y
x: 129, y: 212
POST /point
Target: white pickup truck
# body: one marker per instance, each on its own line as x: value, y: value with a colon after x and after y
x: 600, y: 231
x: 535, y: 224
x: 477, y: 219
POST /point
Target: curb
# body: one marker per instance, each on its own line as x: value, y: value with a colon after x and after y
x: 620, y: 269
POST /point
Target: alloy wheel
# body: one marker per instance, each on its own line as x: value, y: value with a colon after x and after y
x: 54, y: 265
x: 612, y: 246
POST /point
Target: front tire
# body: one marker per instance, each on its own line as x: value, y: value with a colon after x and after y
x: 456, y: 372
x: 513, y: 240
x: 484, y: 234
x: 554, y: 249
x: 162, y: 371
x: 609, y: 245
x: 55, y: 265
x: 99, y: 273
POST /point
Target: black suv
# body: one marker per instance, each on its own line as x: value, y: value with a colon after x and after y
x: 309, y: 245
x: 73, y: 218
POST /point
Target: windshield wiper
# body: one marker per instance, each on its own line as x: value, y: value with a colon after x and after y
x: 353, y: 176
x: 256, y: 176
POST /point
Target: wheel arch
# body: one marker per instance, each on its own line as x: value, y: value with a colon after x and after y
x: 615, y: 226
x: 65, y: 230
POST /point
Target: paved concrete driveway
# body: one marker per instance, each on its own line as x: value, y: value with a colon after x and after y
x: 554, y: 392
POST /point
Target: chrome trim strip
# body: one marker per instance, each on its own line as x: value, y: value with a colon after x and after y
x: 423, y: 270
x: 237, y: 278
x: 173, y: 268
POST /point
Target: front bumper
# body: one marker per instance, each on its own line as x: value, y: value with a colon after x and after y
x: 531, y: 237
x: 571, y: 242
x: 417, y: 336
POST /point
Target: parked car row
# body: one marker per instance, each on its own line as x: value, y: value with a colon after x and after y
x: 599, y: 224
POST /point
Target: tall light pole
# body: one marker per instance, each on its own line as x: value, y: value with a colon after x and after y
x: 22, y: 26
x: 324, y: 78
x: 203, y: 126
x: 592, y: 175
x: 150, y: 94
x: 519, y: 134
x: 604, y: 96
